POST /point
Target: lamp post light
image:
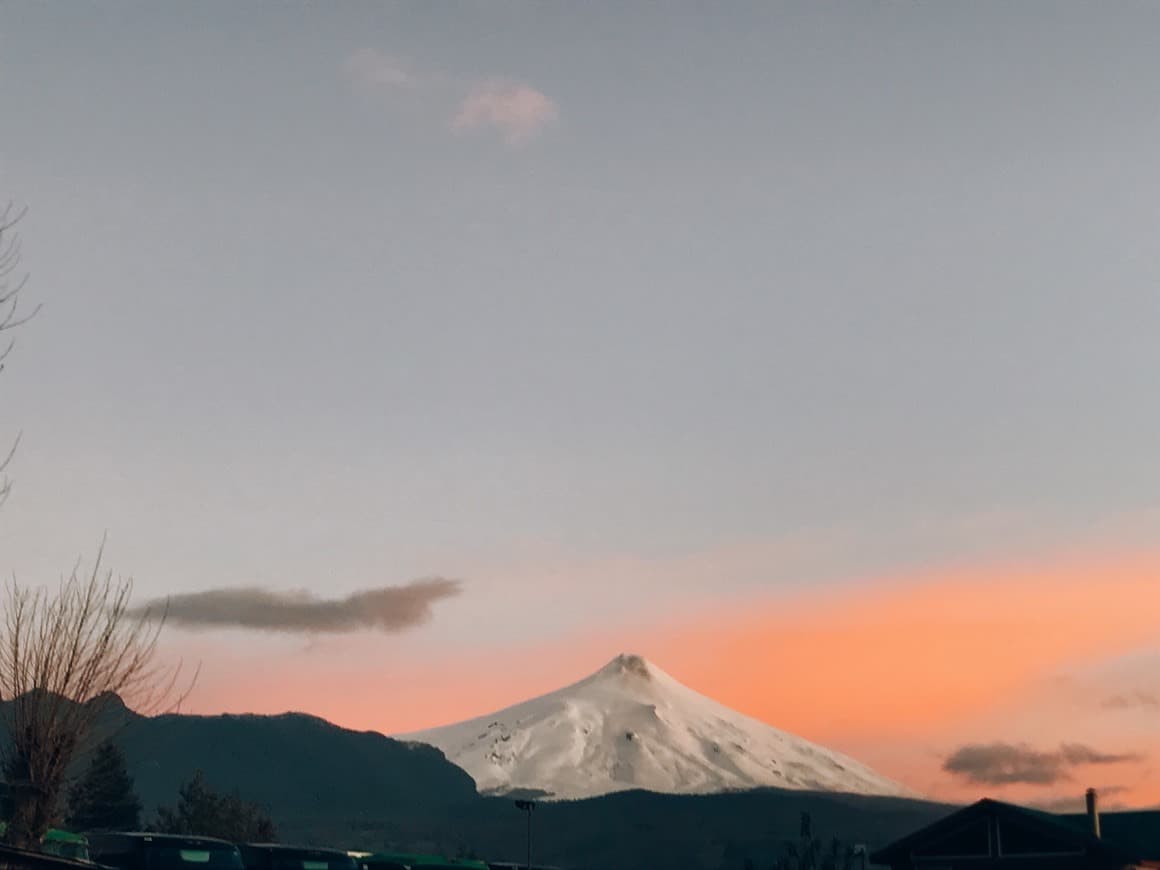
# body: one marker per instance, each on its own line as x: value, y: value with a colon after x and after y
x: 528, y: 807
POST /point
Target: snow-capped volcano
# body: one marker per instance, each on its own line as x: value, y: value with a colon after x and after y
x: 630, y: 725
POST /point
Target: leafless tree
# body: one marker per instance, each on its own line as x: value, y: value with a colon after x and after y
x: 64, y: 656
x: 12, y: 283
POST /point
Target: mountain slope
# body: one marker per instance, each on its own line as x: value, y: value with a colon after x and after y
x: 296, y: 765
x: 632, y: 726
x: 333, y: 787
x: 299, y: 767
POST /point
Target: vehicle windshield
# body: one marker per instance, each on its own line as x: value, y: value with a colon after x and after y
x: 288, y: 859
x: 192, y: 856
x: 78, y: 851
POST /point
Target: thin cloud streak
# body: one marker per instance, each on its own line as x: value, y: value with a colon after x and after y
x: 388, y: 609
x: 1010, y: 763
x: 1077, y: 804
x: 1137, y: 700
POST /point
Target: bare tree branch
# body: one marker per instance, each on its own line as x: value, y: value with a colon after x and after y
x: 64, y: 658
x: 12, y: 283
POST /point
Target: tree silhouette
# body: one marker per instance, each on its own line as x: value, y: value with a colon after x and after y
x: 12, y: 282
x: 807, y: 852
x: 203, y: 812
x: 103, y: 799
x: 66, y: 656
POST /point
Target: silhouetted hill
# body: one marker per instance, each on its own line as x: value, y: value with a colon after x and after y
x: 661, y: 831
x: 360, y: 790
x: 297, y: 766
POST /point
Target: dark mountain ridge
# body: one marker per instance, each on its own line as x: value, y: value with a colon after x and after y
x: 294, y: 764
x: 328, y: 785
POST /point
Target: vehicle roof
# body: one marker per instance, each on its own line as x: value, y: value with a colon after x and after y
x: 148, y: 835
x: 418, y: 860
x: 53, y: 835
x: 290, y: 847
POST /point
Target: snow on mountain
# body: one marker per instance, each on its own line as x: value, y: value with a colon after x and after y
x: 630, y: 725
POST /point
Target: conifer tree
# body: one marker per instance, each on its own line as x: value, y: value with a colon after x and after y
x: 201, y: 811
x: 103, y: 799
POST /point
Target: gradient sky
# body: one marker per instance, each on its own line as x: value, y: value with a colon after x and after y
x: 806, y: 348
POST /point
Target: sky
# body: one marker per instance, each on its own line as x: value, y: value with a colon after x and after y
x: 426, y: 356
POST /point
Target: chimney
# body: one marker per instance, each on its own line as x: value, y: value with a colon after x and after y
x: 1093, y: 811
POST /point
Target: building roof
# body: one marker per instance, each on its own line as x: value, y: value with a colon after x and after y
x: 1137, y: 829
x: 1129, y: 838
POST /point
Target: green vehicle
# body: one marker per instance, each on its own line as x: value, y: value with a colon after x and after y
x: 145, y: 851
x: 274, y: 856
x: 63, y: 844
x: 404, y: 861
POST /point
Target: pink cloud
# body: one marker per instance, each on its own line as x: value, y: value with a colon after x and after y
x: 515, y: 109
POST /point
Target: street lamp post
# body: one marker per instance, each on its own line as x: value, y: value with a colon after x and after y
x: 528, y: 807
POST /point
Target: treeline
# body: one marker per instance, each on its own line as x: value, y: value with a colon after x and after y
x: 811, y: 852
x: 104, y: 799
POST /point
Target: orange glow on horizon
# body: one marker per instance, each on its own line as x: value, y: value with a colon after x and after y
x: 904, y: 663
x: 905, y: 656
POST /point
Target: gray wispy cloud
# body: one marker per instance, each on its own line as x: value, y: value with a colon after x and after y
x: 1077, y: 803
x: 1009, y: 763
x: 387, y: 609
x: 1138, y: 699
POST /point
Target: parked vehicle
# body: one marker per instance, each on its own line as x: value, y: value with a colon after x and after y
x: 63, y: 844
x: 272, y: 856
x: 140, y: 851
x: 404, y: 861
